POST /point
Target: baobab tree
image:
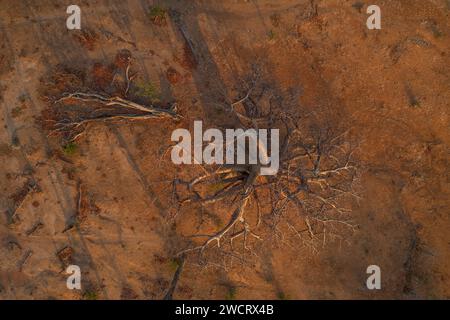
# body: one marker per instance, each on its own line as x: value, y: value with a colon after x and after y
x: 307, y: 203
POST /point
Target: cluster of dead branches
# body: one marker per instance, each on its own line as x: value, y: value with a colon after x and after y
x: 73, y: 111
x: 308, y: 203
x: 103, y: 108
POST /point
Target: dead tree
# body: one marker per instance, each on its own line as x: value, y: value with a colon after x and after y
x: 70, y: 113
x: 309, y: 202
x: 72, y: 123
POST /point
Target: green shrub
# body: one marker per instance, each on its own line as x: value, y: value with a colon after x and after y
x: 231, y: 293
x: 90, y: 295
x: 149, y: 91
x: 157, y: 15
x: 174, y: 264
x: 70, y: 148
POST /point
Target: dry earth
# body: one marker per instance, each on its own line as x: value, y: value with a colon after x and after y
x: 391, y: 86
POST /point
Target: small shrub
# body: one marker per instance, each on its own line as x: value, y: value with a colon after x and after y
x: 90, y: 295
x: 157, y: 15
x: 16, y: 112
x: 149, y: 91
x: 70, y: 148
x: 174, y: 264
x: 231, y: 293
x: 282, y: 296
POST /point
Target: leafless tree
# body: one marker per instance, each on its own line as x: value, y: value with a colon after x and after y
x: 72, y: 123
x: 70, y: 113
x: 308, y: 203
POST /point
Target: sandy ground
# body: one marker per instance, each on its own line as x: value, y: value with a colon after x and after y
x: 392, y: 85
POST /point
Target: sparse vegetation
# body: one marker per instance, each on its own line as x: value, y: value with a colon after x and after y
x: 90, y: 295
x: 148, y: 90
x: 282, y: 296
x: 16, y: 111
x: 157, y: 15
x: 174, y: 264
x: 361, y: 175
x: 70, y: 148
x: 64, y: 120
x: 231, y: 293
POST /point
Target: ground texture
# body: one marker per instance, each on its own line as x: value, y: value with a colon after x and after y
x: 391, y: 86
